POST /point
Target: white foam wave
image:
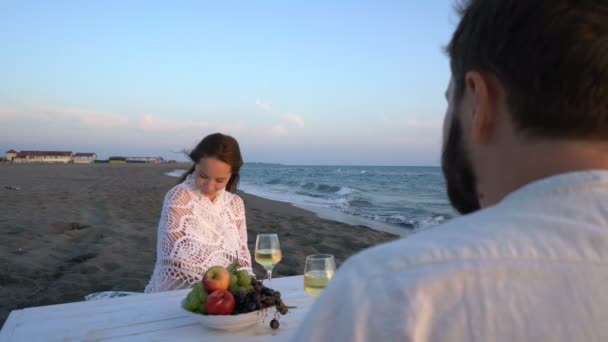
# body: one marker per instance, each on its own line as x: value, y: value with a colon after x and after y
x: 176, y: 173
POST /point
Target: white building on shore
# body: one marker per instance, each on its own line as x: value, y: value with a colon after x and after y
x: 154, y: 160
x: 84, y: 158
x: 10, y: 154
x: 43, y: 157
x: 49, y: 157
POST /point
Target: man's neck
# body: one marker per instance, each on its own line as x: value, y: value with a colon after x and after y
x: 534, y: 161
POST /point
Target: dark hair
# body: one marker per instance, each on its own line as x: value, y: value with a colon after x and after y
x: 551, y: 56
x: 224, y: 148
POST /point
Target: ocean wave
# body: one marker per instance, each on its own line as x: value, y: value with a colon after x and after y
x: 418, y: 222
x: 405, y: 197
x: 328, y: 188
x: 176, y: 173
x: 345, y: 191
x: 308, y: 185
x: 360, y: 203
x: 309, y: 194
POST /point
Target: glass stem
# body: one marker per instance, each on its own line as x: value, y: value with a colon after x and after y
x: 269, y: 275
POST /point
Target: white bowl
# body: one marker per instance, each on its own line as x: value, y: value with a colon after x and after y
x: 226, y: 322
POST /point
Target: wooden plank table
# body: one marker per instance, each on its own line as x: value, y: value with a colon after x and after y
x: 146, y: 317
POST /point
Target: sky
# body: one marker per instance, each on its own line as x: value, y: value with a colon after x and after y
x: 307, y: 82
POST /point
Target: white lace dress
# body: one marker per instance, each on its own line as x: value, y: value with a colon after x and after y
x: 195, y: 233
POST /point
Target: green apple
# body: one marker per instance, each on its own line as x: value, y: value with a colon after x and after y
x: 244, y: 278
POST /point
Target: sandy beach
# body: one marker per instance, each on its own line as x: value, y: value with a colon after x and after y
x: 69, y: 230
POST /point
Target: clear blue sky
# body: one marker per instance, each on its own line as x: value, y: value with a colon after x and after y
x: 308, y: 82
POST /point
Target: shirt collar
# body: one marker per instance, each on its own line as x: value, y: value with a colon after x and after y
x: 560, y: 183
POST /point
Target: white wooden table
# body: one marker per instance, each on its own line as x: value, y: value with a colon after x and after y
x: 146, y: 317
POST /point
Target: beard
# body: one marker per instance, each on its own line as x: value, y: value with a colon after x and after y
x: 458, y: 171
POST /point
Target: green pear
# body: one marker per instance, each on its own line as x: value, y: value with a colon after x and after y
x: 193, y: 301
x: 203, y: 303
x: 203, y: 296
x: 203, y: 308
x: 199, y: 289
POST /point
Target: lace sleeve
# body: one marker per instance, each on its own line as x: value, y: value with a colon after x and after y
x: 175, y: 216
x: 241, y: 224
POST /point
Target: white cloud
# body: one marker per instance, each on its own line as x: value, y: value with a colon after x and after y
x: 413, y: 123
x: 86, y: 118
x: 231, y: 128
x: 95, y: 119
x: 151, y: 123
x: 289, y: 117
x: 296, y: 119
x: 265, y: 107
x: 99, y: 120
x: 278, y: 131
x: 77, y: 127
x: 7, y: 113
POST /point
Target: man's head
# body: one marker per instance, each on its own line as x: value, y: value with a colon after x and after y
x: 524, y: 74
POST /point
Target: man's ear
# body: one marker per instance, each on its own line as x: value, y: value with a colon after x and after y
x: 483, y: 94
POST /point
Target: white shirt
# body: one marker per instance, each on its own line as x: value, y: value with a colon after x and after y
x: 195, y: 233
x: 532, y: 268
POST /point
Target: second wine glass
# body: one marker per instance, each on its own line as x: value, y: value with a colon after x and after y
x: 318, y: 271
x: 268, y: 252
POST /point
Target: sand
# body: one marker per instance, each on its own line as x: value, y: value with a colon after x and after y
x: 70, y: 230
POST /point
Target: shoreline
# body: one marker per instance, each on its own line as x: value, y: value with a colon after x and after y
x: 74, y: 229
x: 330, y: 214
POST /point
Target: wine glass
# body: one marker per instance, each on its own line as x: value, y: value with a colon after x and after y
x: 318, y: 271
x: 268, y: 252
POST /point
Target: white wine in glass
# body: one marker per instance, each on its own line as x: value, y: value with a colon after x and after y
x: 318, y: 271
x: 268, y: 252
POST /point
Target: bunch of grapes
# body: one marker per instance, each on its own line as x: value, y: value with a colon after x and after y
x: 258, y: 298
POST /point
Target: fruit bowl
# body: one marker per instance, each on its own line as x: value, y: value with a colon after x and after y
x: 225, y: 322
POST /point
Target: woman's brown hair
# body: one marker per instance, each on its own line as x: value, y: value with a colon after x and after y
x: 222, y: 147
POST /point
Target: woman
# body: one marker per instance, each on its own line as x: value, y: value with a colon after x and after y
x: 202, y: 222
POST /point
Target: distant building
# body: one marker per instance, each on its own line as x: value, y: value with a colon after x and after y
x: 10, y: 154
x: 154, y: 160
x: 84, y: 158
x: 117, y: 160
x: 43, y: 157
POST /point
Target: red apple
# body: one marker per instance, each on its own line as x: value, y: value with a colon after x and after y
x: 216, y: 278
x: 220, y: 302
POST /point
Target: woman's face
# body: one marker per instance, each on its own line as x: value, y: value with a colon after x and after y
x: 212, y: 175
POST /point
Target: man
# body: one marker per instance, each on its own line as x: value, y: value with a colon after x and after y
x: 525, y: 139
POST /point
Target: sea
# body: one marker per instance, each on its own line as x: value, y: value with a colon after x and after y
x: 396, y: 199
